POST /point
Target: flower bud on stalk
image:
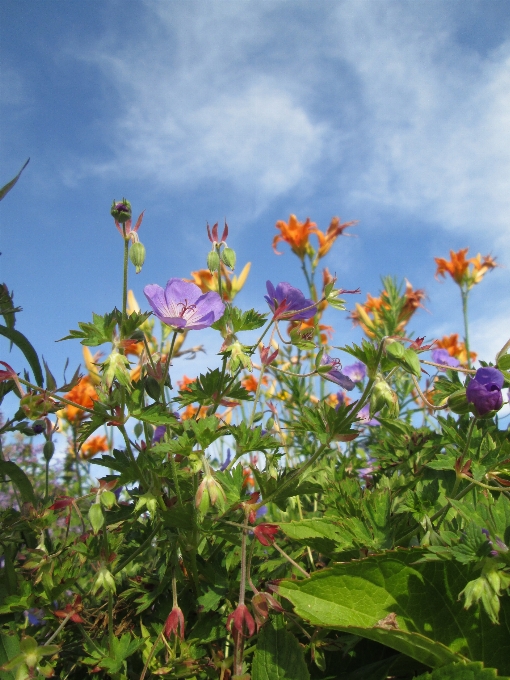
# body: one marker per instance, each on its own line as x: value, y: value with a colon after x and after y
x: 121, y: 210
x: 48, y: 450
x: 137, y: 255
x: 213, y: 261
x: 228, y: 257
x: 383, y: 396
x: 209, y: 493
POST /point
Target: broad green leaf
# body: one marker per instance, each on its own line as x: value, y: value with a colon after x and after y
x: 30, y: 354
x: 9, y: 649
x: 19, y: 479
x: 278, y: 656
x: 7, y: 187
x: 462, y: 671
x: 321, y: 534
x: 413, y: 608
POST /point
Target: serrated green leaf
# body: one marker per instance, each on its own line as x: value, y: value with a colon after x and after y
x: 462, y: 671
x: 412, y: 608
x: 278, y: 656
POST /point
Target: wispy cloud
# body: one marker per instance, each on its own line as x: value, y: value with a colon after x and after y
x: 263, y: 96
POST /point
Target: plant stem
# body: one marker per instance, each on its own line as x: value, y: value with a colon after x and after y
x: 465, y: 293
x: 138, y: 550
x: 125, y: 278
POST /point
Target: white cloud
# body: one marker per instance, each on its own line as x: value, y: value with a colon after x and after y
x: 436, y: 115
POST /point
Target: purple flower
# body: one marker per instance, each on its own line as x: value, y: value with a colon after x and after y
x: 285, y: 299
x: 484, y: 390
x: 364, y: 415
x: 356, y: 372
x: 441, y: 356
x: 227, y: 461
x: 334, y: 375
x: 159, y: 433
x: 183, y: 305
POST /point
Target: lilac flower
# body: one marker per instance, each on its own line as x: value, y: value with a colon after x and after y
x: 334, y: 375
x: 484, y: 390
x: 227, y: 461
x: 441, y: 356
x: 364, y: 415
x: 285, y: 299
x: 356, y: 372
x: 159, y: 433
x: 183, y: 305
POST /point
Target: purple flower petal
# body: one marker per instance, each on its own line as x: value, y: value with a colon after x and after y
x: 292, y: 299
x: 484, y: 390
x: 356, y: 372
x: 335, y: 375
x: 183, y: 305
x: 441, y: 356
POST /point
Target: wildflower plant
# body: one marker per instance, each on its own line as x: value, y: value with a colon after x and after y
x: 299, y: 512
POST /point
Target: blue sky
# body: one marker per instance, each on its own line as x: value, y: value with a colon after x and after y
x: 392, y: 113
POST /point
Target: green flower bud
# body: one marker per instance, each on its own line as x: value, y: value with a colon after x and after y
x: 213, y: 261
x: 108, y: 499
x: 458, y: 403
x: 137, y: 255
x: 36, y: 405
x: 229, y: 257
x: 383, y: 396
x: 269, y: 423
x: 48, y: 451
x: 121, y: 210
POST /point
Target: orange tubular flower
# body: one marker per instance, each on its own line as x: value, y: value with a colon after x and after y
x: 327, y: 239
x: 326, y: 332
x: 83, y: 394
x: 296, y: 234
x: 465, y: 272
x: 455, y: 348
x: 93, y: 446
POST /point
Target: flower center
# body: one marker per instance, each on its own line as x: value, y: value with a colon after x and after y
x: 186, y: 308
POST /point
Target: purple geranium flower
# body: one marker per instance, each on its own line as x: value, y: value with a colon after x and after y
x: 441, y: 356
x: 285, y: 299
x: 159, y: 433
x: 484, y: 390
x: 334, y: 374
x: 356, y: 372
x: 183, y: 305
x: 364, y: 415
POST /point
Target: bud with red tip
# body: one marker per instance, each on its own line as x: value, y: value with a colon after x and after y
x: 265, y: 357
x: 265, y: 533
x: 174, y: 624
x: 241, y: 621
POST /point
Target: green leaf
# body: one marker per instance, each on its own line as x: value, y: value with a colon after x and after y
x: 7, y: 187
x: 319, y: 533
x: 237, y: 320
x: 19, y: 479
x: 462, y: 671
x: 278, y: 656
x: 98, y: 332
x: 410, y: 607
x: 9, y: 649
x: 30, y: 354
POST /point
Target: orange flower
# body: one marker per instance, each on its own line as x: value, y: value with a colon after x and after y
x: 372, y: 315
x: 464, y: 272
x: 83, y: 394
x: 326, y: 332
x: 231, y: 285
x: 93, y: 446
x: 327, y: 239
x: 250, y: 383
x: 455, y: 348
x: 183, y: 384
x: 191, y: 411
x: 296, y: 234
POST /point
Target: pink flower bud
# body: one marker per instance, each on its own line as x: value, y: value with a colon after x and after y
x: 175, y: 623
x: 241, y: 620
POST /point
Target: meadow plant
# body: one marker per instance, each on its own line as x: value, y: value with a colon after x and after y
x: 280, y: 516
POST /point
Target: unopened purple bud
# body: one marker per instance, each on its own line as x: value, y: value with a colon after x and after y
x: 484, y: 390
